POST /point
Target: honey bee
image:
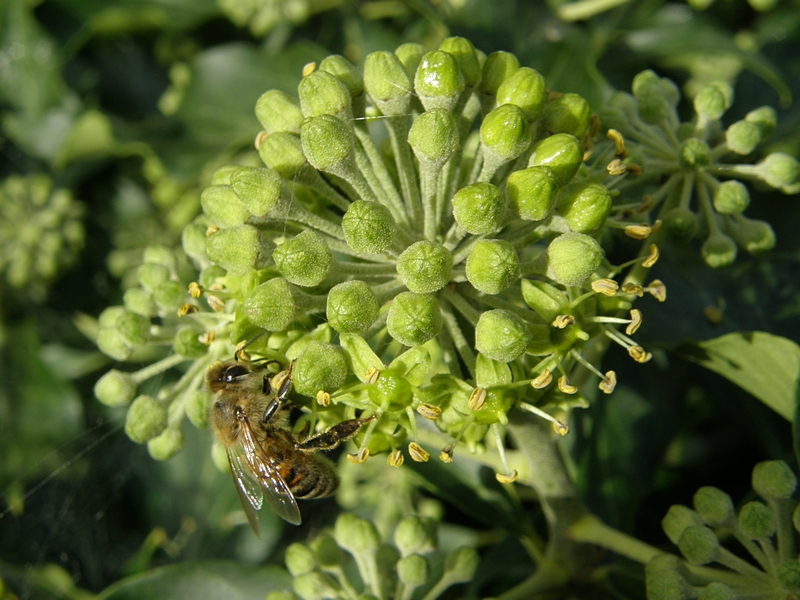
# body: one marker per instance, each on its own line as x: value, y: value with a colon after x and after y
x: 250, y: 419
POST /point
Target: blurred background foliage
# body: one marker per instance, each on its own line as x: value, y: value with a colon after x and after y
x: 113, y: 116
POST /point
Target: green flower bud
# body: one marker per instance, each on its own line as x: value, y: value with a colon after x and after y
x: 413, y: 319
x: 356, y: 535
x: 754, y: 236
x: 222, y: 176
x: 275, y: 304
x: 169, y: 295
x: 368, y: 227
x: 193, y: 240
x: 344, y: 71
x: 572, y: 258
x: 694, y: 153
x: 498, y: 67
x: 492, y: 266
x: 197, y: 408
x: 168, y: 444
x: 713, y: 100
x: 731, y: 198
x: 716, y: 591
x: 146, y: 419
x: 663, y: 563
x: 299, y: 559
x: 502, y: 335
x: 415, y: 535
x: 505, y: 132
x: 698, y: 544
x: 328, y: 144
x: 258, y: 189
x: 742, y: 137
x: 438, y: 81
x: 135, y: 329
x: 434, y: 136
x: 327, y: 553
x: 547, y: 300
x: 779, y: 170
x: 460, y: 564
x: 115, y: 388
x: 413, y: 570
x: 526, y: 89
x: 139, y: 301
x: 304, y: 260
x: 160, y: 255
x: 111, y: 343
x: 323, y: 94
x: 718, y: 251
x: 765, y: 118
x: 151, y: 275
x: 677, y: 519
x: 221, y: 204
x: 649, y: 93
x: 666, y: 585
x: 315, y: 586
x: 714, y: 506
x: 320, y: 366
x: 585, y: 206
x: 186, y: 344
x: 410, y: 56
x: 351, y: 307
x: 569, y: 113
x: 239, y: 249
x: 531, y: 192
x: 479, y: 208
x: 284, y: 153
x: 467, y: 58
x: 281, y: 595
x: 756, y: 521
x: 561, y: 152
x: 773, y: 479
x: 425, y: 267
x: 277, y: 111
x: 108, y: 318
x: 387, y: 83
x: 680, y: 224
x: 788, y: 574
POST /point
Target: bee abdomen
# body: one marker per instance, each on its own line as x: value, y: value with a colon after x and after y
x: 317, y: 480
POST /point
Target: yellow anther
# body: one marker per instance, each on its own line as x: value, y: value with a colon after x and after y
x: 372, y: 375
x: 632, y: 289
x: 636, y: 320
x: 207, y: 337
x: 542, y: 380
x: 508, y: 478
x: 652, y: 256
x: 446, y: 455
x: 195, y: 290
x: 309, y: 68
x: 560, y: 428
x: 616, y: 167
x: 619, y: 142
x: 561, y: 321
x: 608, y: 383
x: 215, y: 302
x: 657, y: 290
x: 565, y: 387
x: 638, y: 232
x: 417, y: 453
x: 429, y: 411
x: 607, y: 287
x: 323, y: 398
x: 262, y: 135
x: 211, y: 229
x: 638, y: 354
x: 477, y: 399
x: 395, y: 459
x: 186, y: 309
x: 360, y: 457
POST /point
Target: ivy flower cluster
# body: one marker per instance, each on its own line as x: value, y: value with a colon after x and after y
x: 766, y: 530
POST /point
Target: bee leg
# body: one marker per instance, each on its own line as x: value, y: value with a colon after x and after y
x: 272, y: 407
x: 333, y: 436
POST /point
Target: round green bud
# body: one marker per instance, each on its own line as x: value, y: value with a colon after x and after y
x: 666, y: 585
x: 572, y: 258
x: 698, y: 544
x: 277, y: 111
x: 327, y: 553
x: 547, y: 300
x: 694, y: 153
x: 197, y: 408
x: 526, y: 89
x: 498, y: 67
x: 222, y: 176
x: 585, y: 206
x: 569, y: 113
x: 779, y: 170
x: 467, y: 58
x: 425, y: 267
x: 304, y: 260
x: 193, y: 240
x: 410, y: 56
x: 718, y: 251
x: 299, y: 559
x: 221, y: 204
x: 662, y: 563
x: 492, y: 266
x: 115, y: 388
x: 111, y: 343
x: 755, y: 236
x: 368, y: 227
x: 351, y: 307
x: 650, y: 99
x: 501, y: 335
x: 505, y: 132
x: 108, y: 318
x: 677, y: 519
x: 531, y: 192
x: 561, y: 152
x: 434, y: 136
x: 742, y: 137
x: 327, y: 142
x: 710, y: 102
x: 731, y: 198
x: 714, y: 506
x: 259, y: 189
x: 716, y: 591
x: 160, y: 255
x: 344, y: 71
x: 413, y: 536
x: 135, y: 329
x: 239, y: 249
x: 680, y: 224
x: 479, y: 208
x: 390, y: 392
x: 413, y: 570
x: 272, y: 305
x: 460, y: 564
x: 387, y: 83
x: 315, y: 586
x: 773, y: 479
x: 788, y: 575
x: 356, y: 535
x: 765, y: 118
x: 186, y: 344
x: 756, y: 521
x: 139, y: 301
x: 284, y: 153
x: 166, y: 445
x: 146, y: 419
x: 169, y: 295
x: 323, y: 94
x: 438, y: 81
x: 152, y: 275
x: 413, y: 319
x: 320, y: 366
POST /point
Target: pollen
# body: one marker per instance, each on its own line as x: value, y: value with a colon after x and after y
x: 195, y: 290
x: 417, y: 453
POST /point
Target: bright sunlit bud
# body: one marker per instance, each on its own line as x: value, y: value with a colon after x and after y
x: 765, y: 118
x: 115, y: 388
x: 344, y: 71
x: 585, y: 206
x: 480, y: 208
x: 561, y: 152
x: 467, y: 58
x: 607, y: 287
x: 221, y: 204
x: 410, y: 56
x: 299, y: 559
x: 387, y: 83
x: 742, y: 137
x: 323, y: 94
x: 413, y: 571
x: 356, y: 535
x: 569, y: 113
x: 146, y: 418
x: 434, y: 137
x: 438, y: 81
x: 501, y: 335
x: 778, y: 170
x: 531, y: 192
x: 327, y: 143
x: 239, y: 249
x: 505, y: 133
x: 572, y: 258
x: 608, y: 383
x: 417, y: 453
x: 526, y: 89
x: 284, y: 153
x: 713, y: 100
x: 498, y: 67
x: 168, y: 444
x: 320, y: 366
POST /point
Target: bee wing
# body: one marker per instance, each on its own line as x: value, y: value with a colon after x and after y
x: 276, y: 491
x: 247, y: 488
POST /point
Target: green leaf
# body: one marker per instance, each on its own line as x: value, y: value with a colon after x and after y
x: 766, y: 365
x: 200, y: 581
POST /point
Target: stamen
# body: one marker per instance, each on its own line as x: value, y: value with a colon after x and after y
x: 559, y: 426
x: 429, y: 411
x: 607, y: 287
x: 477, y: 399
x: 564, y: 385
x: 638, y: 232
x: 395, y: 459
x: 360, y: 457
x: 636, y: 321
x: 657, y: 290
x: 542, y: 380
x: 309, y: 68
x: 608, y: 383
x: 446, y: 454
x: 652, y: 257
x: 323, y: 398
x: 633, y: 289
x: 417, y: 453
x: 195, y: 290
x: 561, y: 321
x: 186, y: 309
